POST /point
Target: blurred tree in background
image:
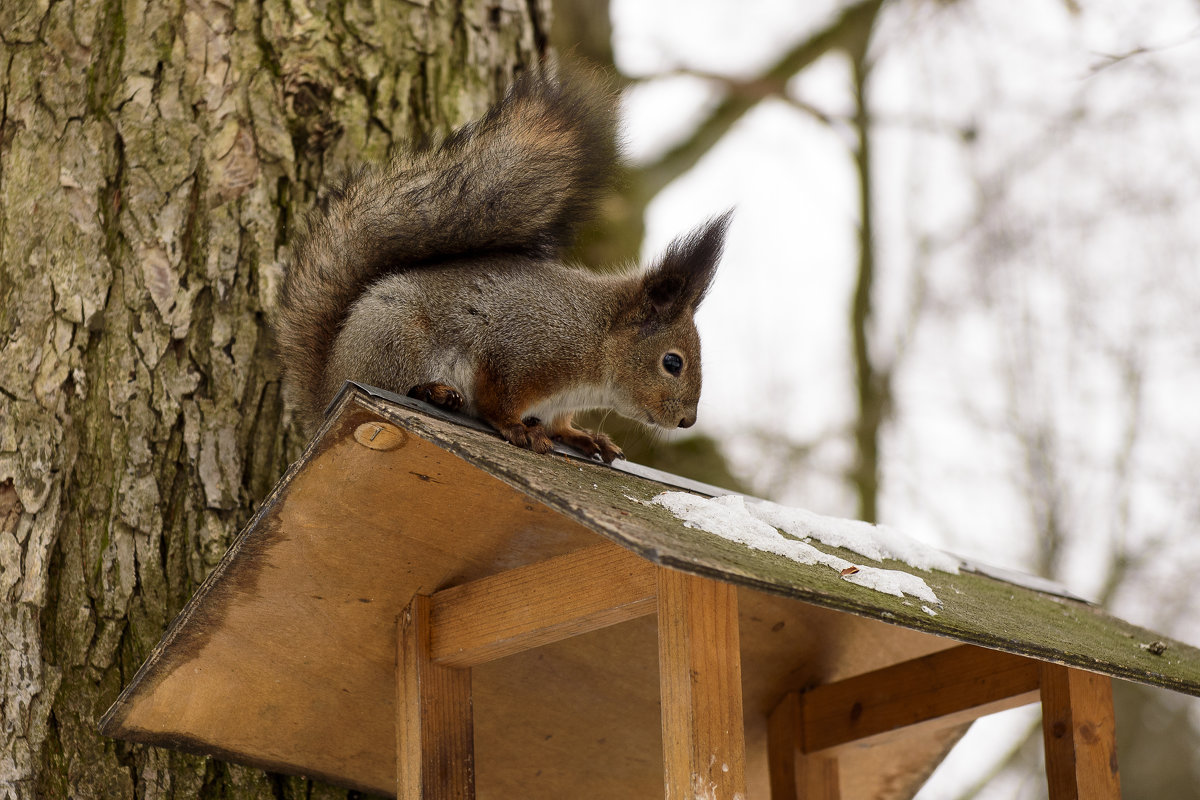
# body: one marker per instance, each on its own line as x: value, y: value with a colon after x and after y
x: 1018, y: 324
x: 1014, y: 334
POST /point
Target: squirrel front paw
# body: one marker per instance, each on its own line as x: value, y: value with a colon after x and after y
x: 438, y: 394
x: 589, y: 443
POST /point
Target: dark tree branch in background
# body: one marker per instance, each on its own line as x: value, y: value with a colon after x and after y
x: 1027, y: 748
x: 581, y: 31
x: 1054, y: 495
x: 872, y: 383
x: 617, y: 237
x: 998, y: 225
x: 756, y: 89
x: 846, y: 32
x: 1107, y: 60
x: 620, y: 234
x: 1133, y: 382
x: 783, y: 458
x: 849, y: 33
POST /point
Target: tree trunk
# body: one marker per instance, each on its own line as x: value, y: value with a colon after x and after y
x: 153, y: 160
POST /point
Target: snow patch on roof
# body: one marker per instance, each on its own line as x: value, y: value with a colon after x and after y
x: 876, y: 542
x: 753, y: 523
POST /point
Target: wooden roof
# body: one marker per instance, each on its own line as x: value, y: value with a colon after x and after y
x: 285, y: 658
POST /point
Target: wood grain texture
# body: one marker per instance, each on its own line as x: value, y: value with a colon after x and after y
x: 794, y: 774
x: 334, y: 556
x: 704, y: 748
x: 534, y: 605
x: 1080, y: 734
x: 939, y: 690
x: 434, y: 726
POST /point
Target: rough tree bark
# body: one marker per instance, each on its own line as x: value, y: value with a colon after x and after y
x: 153, y: 157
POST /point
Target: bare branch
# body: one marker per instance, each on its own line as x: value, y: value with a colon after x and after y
x: 757, y: 89
x: 848, y: 32
x: 873, y: 383
x: 1020, y: 751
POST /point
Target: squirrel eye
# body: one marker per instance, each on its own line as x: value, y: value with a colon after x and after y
x: 672, y: 363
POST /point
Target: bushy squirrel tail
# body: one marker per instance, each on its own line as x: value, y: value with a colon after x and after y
x: 518, y: 181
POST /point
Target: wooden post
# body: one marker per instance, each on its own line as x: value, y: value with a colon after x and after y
x: 794, y: 774
x: 700, y: 675
x: 1080, y: 733
x: 435, y: 754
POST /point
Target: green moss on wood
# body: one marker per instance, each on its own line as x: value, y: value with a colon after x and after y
x: 975, y: 609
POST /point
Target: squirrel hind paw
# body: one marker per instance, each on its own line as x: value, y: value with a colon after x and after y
x: 438, y: 394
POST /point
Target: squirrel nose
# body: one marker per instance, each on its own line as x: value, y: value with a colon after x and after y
x: 688, y: 421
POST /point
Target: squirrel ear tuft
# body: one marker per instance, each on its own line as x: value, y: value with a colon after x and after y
x: 683, y: 274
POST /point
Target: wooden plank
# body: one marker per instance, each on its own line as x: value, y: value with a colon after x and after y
x: 795, y: 775
x: 434, y: 726
x: 939, y: 690
x: 534, y: 605
x: 700, y: 679
x: 1080, y: 734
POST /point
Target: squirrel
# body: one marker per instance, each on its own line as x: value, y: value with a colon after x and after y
x: 439, y: 275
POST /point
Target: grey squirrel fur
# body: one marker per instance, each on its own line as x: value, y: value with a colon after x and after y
x: 439, y: 275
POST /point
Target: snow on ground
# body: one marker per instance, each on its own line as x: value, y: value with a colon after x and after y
x: 754, y: 523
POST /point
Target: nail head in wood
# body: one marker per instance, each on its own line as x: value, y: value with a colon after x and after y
x: 380, y: 436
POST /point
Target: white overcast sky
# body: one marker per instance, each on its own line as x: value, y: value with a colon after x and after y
x: 1094, y: 167
x: 775, y: 326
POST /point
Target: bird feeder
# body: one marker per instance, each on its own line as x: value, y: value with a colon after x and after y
x: 421, y: 610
